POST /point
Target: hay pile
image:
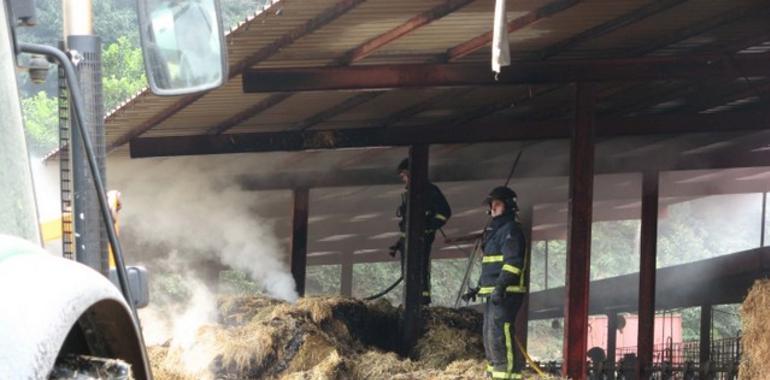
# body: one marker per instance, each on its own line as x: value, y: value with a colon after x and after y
x: 323, y: 338
x: 755, y: 358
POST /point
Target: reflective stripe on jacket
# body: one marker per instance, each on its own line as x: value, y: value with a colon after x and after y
x: 504, y: 259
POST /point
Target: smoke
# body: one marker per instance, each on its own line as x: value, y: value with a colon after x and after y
x: 203, y: 215
x: 180, y: 215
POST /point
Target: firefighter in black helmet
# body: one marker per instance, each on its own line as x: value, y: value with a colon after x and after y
x: 437, y: 213
x: 502, y: 283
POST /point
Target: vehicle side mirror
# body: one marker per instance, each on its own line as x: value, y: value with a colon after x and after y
x: 183, y: 45
x: 138, y: 282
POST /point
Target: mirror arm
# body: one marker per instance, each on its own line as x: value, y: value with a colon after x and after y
x: 77, y: 100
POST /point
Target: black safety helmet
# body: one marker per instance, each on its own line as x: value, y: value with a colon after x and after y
x: 404, y: 165
x: 504, y: 194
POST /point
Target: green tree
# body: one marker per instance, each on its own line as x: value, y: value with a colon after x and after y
x: 41, y: 123
x: 122, y: 72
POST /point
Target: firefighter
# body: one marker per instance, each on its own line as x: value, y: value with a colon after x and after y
x: 501, y: 284
x: 437, y: 213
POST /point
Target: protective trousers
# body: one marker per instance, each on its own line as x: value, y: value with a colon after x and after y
x: 504, y: 357
x: 425, y: 257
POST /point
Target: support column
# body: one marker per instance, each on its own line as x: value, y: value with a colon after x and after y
x: 647, y: 266
x: 612, y: 339
x: 299, y: 238
x: 763, y: 219
x: 522, y: 318
x: 346, y: 275
x: 545, y: 266
x: 579, y: 236
x: 415, y: 245
x: 705, y: 337
x: 90, y: 236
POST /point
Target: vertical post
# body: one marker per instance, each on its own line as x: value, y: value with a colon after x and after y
x: 522, y: 318
x: 299, y: 238
x: 579, y: 235
x: 415, y: 245
x: 90, y: 235
x: 612, y: 339
x: 346, y: 275
x: 705, y: 337
x: 647, y: 265
x: 763, y: 219
x: 545, y: 265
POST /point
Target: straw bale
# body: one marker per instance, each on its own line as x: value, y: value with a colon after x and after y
x: 325, y: 339
x: 444, y: 328
x: 755, y: 359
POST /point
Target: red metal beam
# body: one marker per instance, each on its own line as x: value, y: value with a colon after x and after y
x: 416, y: 22
x: 636, y: 15
x: 299, y: 238
x: 530, y: 18
x: 486, y: 131
x: 323, y: 18
x: 647, y: 269
x: 579, y: 239
x: 381, y: 77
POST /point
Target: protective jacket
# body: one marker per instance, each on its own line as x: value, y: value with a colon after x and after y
x: 437, y: 210
x: 504, y: 259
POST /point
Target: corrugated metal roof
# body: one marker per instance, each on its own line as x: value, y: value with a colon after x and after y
x: 286, y: 34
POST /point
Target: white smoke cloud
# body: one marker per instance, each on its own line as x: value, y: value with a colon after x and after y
x: 200, y: 212
x: 188, y: 211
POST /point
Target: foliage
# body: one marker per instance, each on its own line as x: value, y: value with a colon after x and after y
x: 322, y: 280
x: 238, y: 283
x: 41, y: 123
x: 122, y: 73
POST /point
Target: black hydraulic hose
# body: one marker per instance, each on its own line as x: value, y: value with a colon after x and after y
x: 77, y: 100
x: 386, y: 291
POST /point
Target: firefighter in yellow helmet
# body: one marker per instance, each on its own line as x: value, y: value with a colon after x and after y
x: 502, y: 284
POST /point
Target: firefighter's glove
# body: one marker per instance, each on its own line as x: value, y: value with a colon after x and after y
x: 498, y: 295
x: 470, y: 296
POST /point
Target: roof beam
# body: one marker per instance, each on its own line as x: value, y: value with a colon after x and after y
x: 328, y: 15
x: 694, y: 30
x: 367, y: 48
x: 340, y: 108
x: 636, y: 15
x: 248, y: 113
x: 502, y: 130
x: 352, y: 56
x: 528, y: 19
x: 380, y: 77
